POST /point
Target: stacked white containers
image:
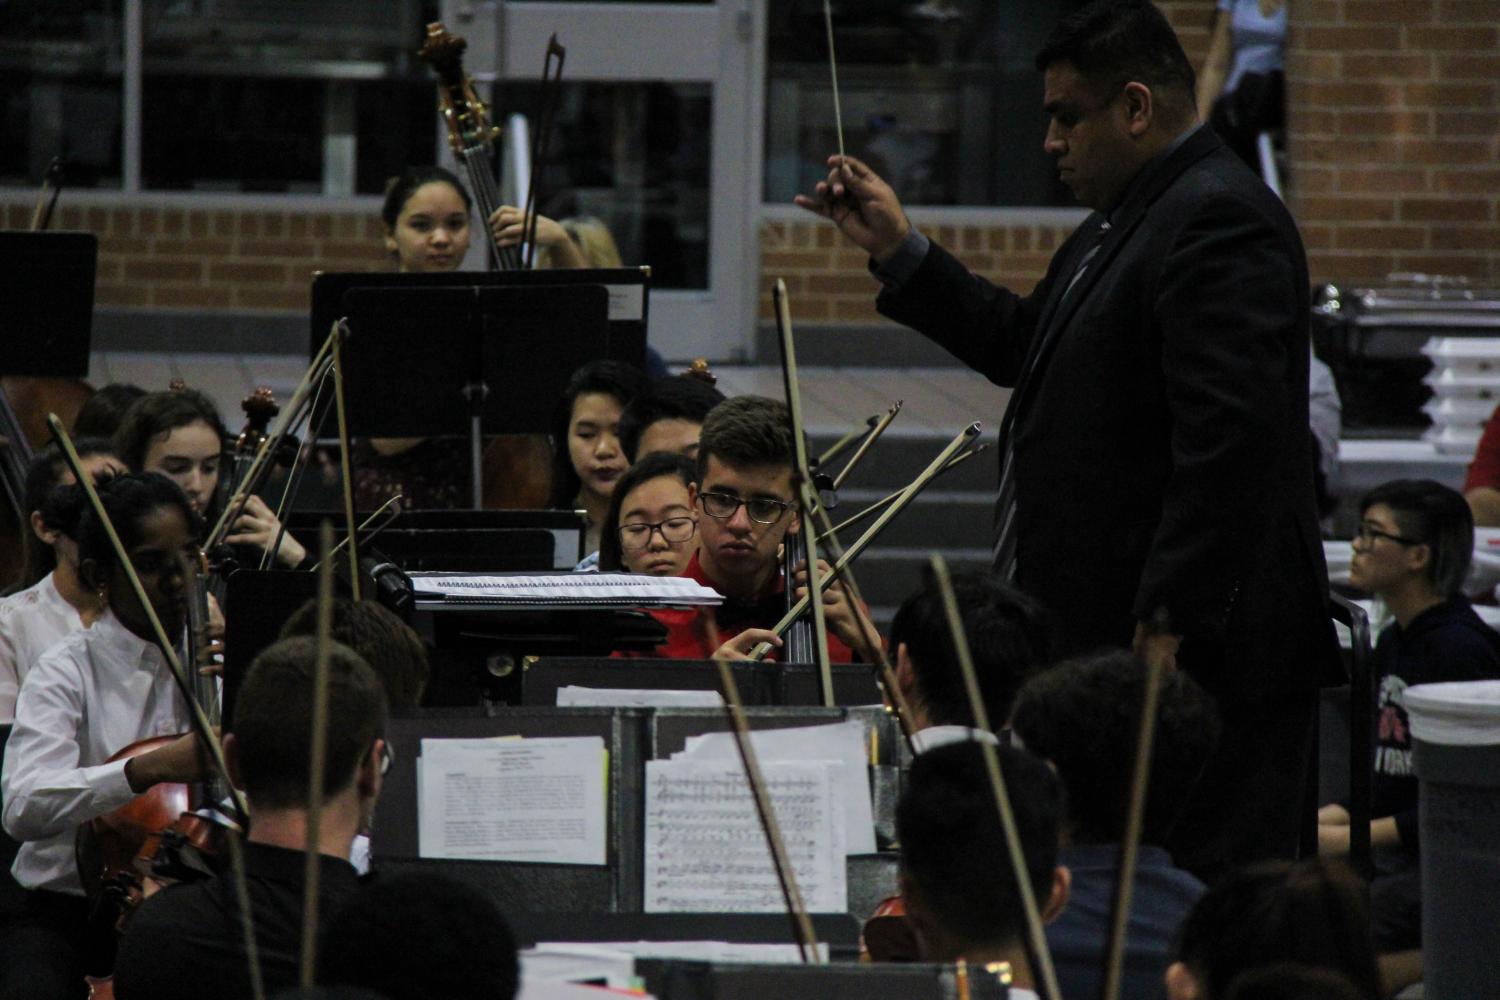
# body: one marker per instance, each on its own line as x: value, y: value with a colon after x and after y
x: 1465, y: 383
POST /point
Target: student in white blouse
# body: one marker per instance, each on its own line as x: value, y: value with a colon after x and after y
x: 98, y: 691
x: 55, y: 600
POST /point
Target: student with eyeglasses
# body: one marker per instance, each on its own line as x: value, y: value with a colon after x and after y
x: 1412, y: 550
x: 745, y: 507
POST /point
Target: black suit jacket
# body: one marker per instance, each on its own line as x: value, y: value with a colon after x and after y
x: 1159, y: 422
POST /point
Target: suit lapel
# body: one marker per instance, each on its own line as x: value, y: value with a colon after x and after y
x: 1062, y: 304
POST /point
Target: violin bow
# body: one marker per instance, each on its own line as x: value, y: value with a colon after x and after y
x: 833, y: 73
x: 1119, y: 907
x: 852, y: 552
x: 1036, y: 938
x: 807, y: 501
x: 802, y: 928
x: 871, y: 436
x: 301, y: 396
x: 551, y: 86
x: 815, y: 513
x: 842, y: 444
x: 317, y: 759
x: 196, y: 717
x: 340, y: 332
x: 880, y: 504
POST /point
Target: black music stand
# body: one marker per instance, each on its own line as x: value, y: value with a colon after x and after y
x: 46, y: 303
x: 467, y: 359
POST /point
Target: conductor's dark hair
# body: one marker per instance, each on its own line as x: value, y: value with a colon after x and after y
x: 389, y: 645
x: 612, y: 378
x: 1084, y: 716
x: 678, y: 397
x: 1007, y: 636
x: 1433, y: 515
x: 1114, y: 42
x: 653, y: 466
x: 1311, y: 912
x: 400, y: 188
x: 273, y: 721
x: 455, y: 943
x: 953, y: 853
x: 102, y: 412
x: 59, y: 506
x: 1294, y: 981
x: 128, y: 500
x: 160, y: 413
x: 746, y: 432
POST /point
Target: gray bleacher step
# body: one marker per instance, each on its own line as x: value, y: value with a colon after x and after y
x: 896, y: 460
x: 937, y: 518
x: 887, y: 575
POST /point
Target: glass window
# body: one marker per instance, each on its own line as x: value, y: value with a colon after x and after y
x: 939, y: 96
x: 635, y: 155
x: 60, y: 91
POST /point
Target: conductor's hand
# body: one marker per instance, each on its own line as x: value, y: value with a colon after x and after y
x: 740, y: 646
x: 862, y: 205
x: 183, y: 760
x: 844, y: 617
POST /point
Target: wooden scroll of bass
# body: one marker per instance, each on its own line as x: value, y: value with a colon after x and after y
x: 802, y: 928
x: 1036, y: 938
x: 317, y: 757
x: 199, y: 721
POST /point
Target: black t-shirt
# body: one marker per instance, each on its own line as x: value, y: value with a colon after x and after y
x: 186, y: 941
x: 1447, y: 642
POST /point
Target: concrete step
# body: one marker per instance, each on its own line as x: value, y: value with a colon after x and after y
x: 886, y: 576
x: 897, y: 459
x: 937, y: 518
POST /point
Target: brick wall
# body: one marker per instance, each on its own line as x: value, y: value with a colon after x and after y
x: 1394, y: 136
x: 206, y: 258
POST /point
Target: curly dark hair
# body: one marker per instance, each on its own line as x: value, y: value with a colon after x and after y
x: 127, y: 500
x: 400, y: 188
x: 678, y: 397
x: 612, y: 378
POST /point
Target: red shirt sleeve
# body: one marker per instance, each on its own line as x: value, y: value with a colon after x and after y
x: 1485, y: 469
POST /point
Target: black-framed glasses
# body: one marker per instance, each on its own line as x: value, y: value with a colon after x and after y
x: 763, y: 510
x: 637, y: 535
x: 1367, y: 534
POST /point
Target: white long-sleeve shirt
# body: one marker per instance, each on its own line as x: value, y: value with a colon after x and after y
x: 86, y: 698
x: 31, y: 622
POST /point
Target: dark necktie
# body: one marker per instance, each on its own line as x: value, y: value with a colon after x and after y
x: 1005, y: 502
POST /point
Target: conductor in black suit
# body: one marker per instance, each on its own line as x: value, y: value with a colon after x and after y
x: 1156, y: 473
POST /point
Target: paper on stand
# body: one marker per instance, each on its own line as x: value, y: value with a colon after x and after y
x: 513, y: 800
x: 560, y: 590
x: 575, y: 695
x: 843, y: 742
x: 706, y: 851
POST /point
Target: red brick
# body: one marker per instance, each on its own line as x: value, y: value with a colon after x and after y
x: 1388, y: 66
x: 1467, y: 11
x: 164, y: 270
x: 132, y: 245
x: 1348, y: 209
x: 1317, y: 237
x: 244, y: 273
x: 1307, y: 179
x: 1379, y: 180
x: 191, y: 248
x: 1361, y: 38
x: 1380, y: 237
x: 853, y: 309
x: 121, y: 222
x: 1345, y: 267
x: 1380, y: 12
x: 198, y: 224
x: 1445, y: 95
x: 120, y: 295
x: 272, y: 224
x: 1451, y: 38
x: 171, y: 222
x: 147, y: 221
x: 1468, y: 66
x: 794, y: 260
x: 225, y: 224
x: 271, y: 298
x: 1342, y: 95
x: 1468, y: 123
x: 275, y: 248
x: 842, y: 284
x: 1446, y: 152
x: 1444, y: 210
x: 363, y: 250
x: 809, y: 309
x: 195, y: 296
x: 1466, y: 238
x: 1455, y: 181
x: 1316, y: 12
x: 1388, y: 122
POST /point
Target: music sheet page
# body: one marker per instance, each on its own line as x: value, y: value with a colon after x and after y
x: 513, y: 800
x: 706, y: 851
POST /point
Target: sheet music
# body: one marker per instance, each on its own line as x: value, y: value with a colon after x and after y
x: 573, y: 694
x: 513, y: 800
x: 706, y: 851
x: 624, y: 590
x: 843, y: 742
